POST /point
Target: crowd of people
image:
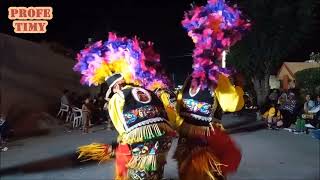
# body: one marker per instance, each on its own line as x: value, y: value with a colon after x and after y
x: 283, y: 110
x: 93, y: 111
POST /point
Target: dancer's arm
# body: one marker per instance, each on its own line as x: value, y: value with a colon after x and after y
x: 171, y: 111
x: 230, y: 97
x: 115, y: 107
x: 179, y: 119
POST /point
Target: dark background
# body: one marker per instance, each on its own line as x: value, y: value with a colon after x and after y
x: 152, y: 20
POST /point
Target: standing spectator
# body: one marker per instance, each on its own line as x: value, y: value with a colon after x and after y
x: 86, y: 115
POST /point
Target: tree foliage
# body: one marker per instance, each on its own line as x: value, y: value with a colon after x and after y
x: 315, y: 56
x: 308, y: 79
x: 278, y: 27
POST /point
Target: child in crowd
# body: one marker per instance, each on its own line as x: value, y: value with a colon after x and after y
x: 86, y: 114
x: 273, y: 117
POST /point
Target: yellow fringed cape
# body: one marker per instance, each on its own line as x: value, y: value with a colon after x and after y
x: 95, y: 151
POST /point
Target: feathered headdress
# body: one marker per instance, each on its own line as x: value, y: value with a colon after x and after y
x: 213, y: 28
x: 136, y: 60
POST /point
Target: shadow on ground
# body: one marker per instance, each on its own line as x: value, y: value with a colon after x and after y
x: 61, y: 162
x: 248, y: 127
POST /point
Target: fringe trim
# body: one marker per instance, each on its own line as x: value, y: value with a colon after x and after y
x: 147, y: 162
x: 202, y: 160
x: 190, y: 130
x: 147, y: 132
x: 95, y: 151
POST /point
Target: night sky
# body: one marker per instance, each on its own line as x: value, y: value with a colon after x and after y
x: 151, y: 20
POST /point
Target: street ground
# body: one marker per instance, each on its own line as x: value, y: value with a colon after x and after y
x: 266, y: 154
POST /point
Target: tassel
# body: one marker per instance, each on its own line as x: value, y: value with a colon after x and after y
x: 96, y: 152
x: 147, y: 162
x: 147, y: 132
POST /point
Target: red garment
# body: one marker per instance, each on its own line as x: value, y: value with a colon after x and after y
x: 226, y: 150
x: 123, y: 156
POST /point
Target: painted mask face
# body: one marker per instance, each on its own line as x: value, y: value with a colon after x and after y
x: 142, y: 96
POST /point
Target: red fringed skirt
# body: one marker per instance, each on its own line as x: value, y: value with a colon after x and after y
x: 207, y: 157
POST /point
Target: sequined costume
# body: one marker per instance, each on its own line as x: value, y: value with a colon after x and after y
x: 145, y: 133
x: 204, y: 150
x: 146, y: 130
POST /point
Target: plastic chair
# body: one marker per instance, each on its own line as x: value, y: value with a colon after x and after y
x: 64, y: 108
x: 77, y: 117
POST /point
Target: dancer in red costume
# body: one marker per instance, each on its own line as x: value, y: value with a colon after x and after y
x: 204, y: 149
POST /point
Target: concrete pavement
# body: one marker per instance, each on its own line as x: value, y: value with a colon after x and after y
x: 267, y: 154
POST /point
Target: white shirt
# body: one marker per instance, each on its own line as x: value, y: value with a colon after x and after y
x: 315, y: 109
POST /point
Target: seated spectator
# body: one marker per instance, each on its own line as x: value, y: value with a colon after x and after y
x: 65, y: 99
x: 282, y: 98
x: 288, y: 110
x: 313, y: 115
x: 309, y: 104
x: 273, y: 117
x: 273, y: 97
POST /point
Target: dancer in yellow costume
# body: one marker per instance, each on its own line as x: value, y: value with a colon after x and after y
x: 138, y: 115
